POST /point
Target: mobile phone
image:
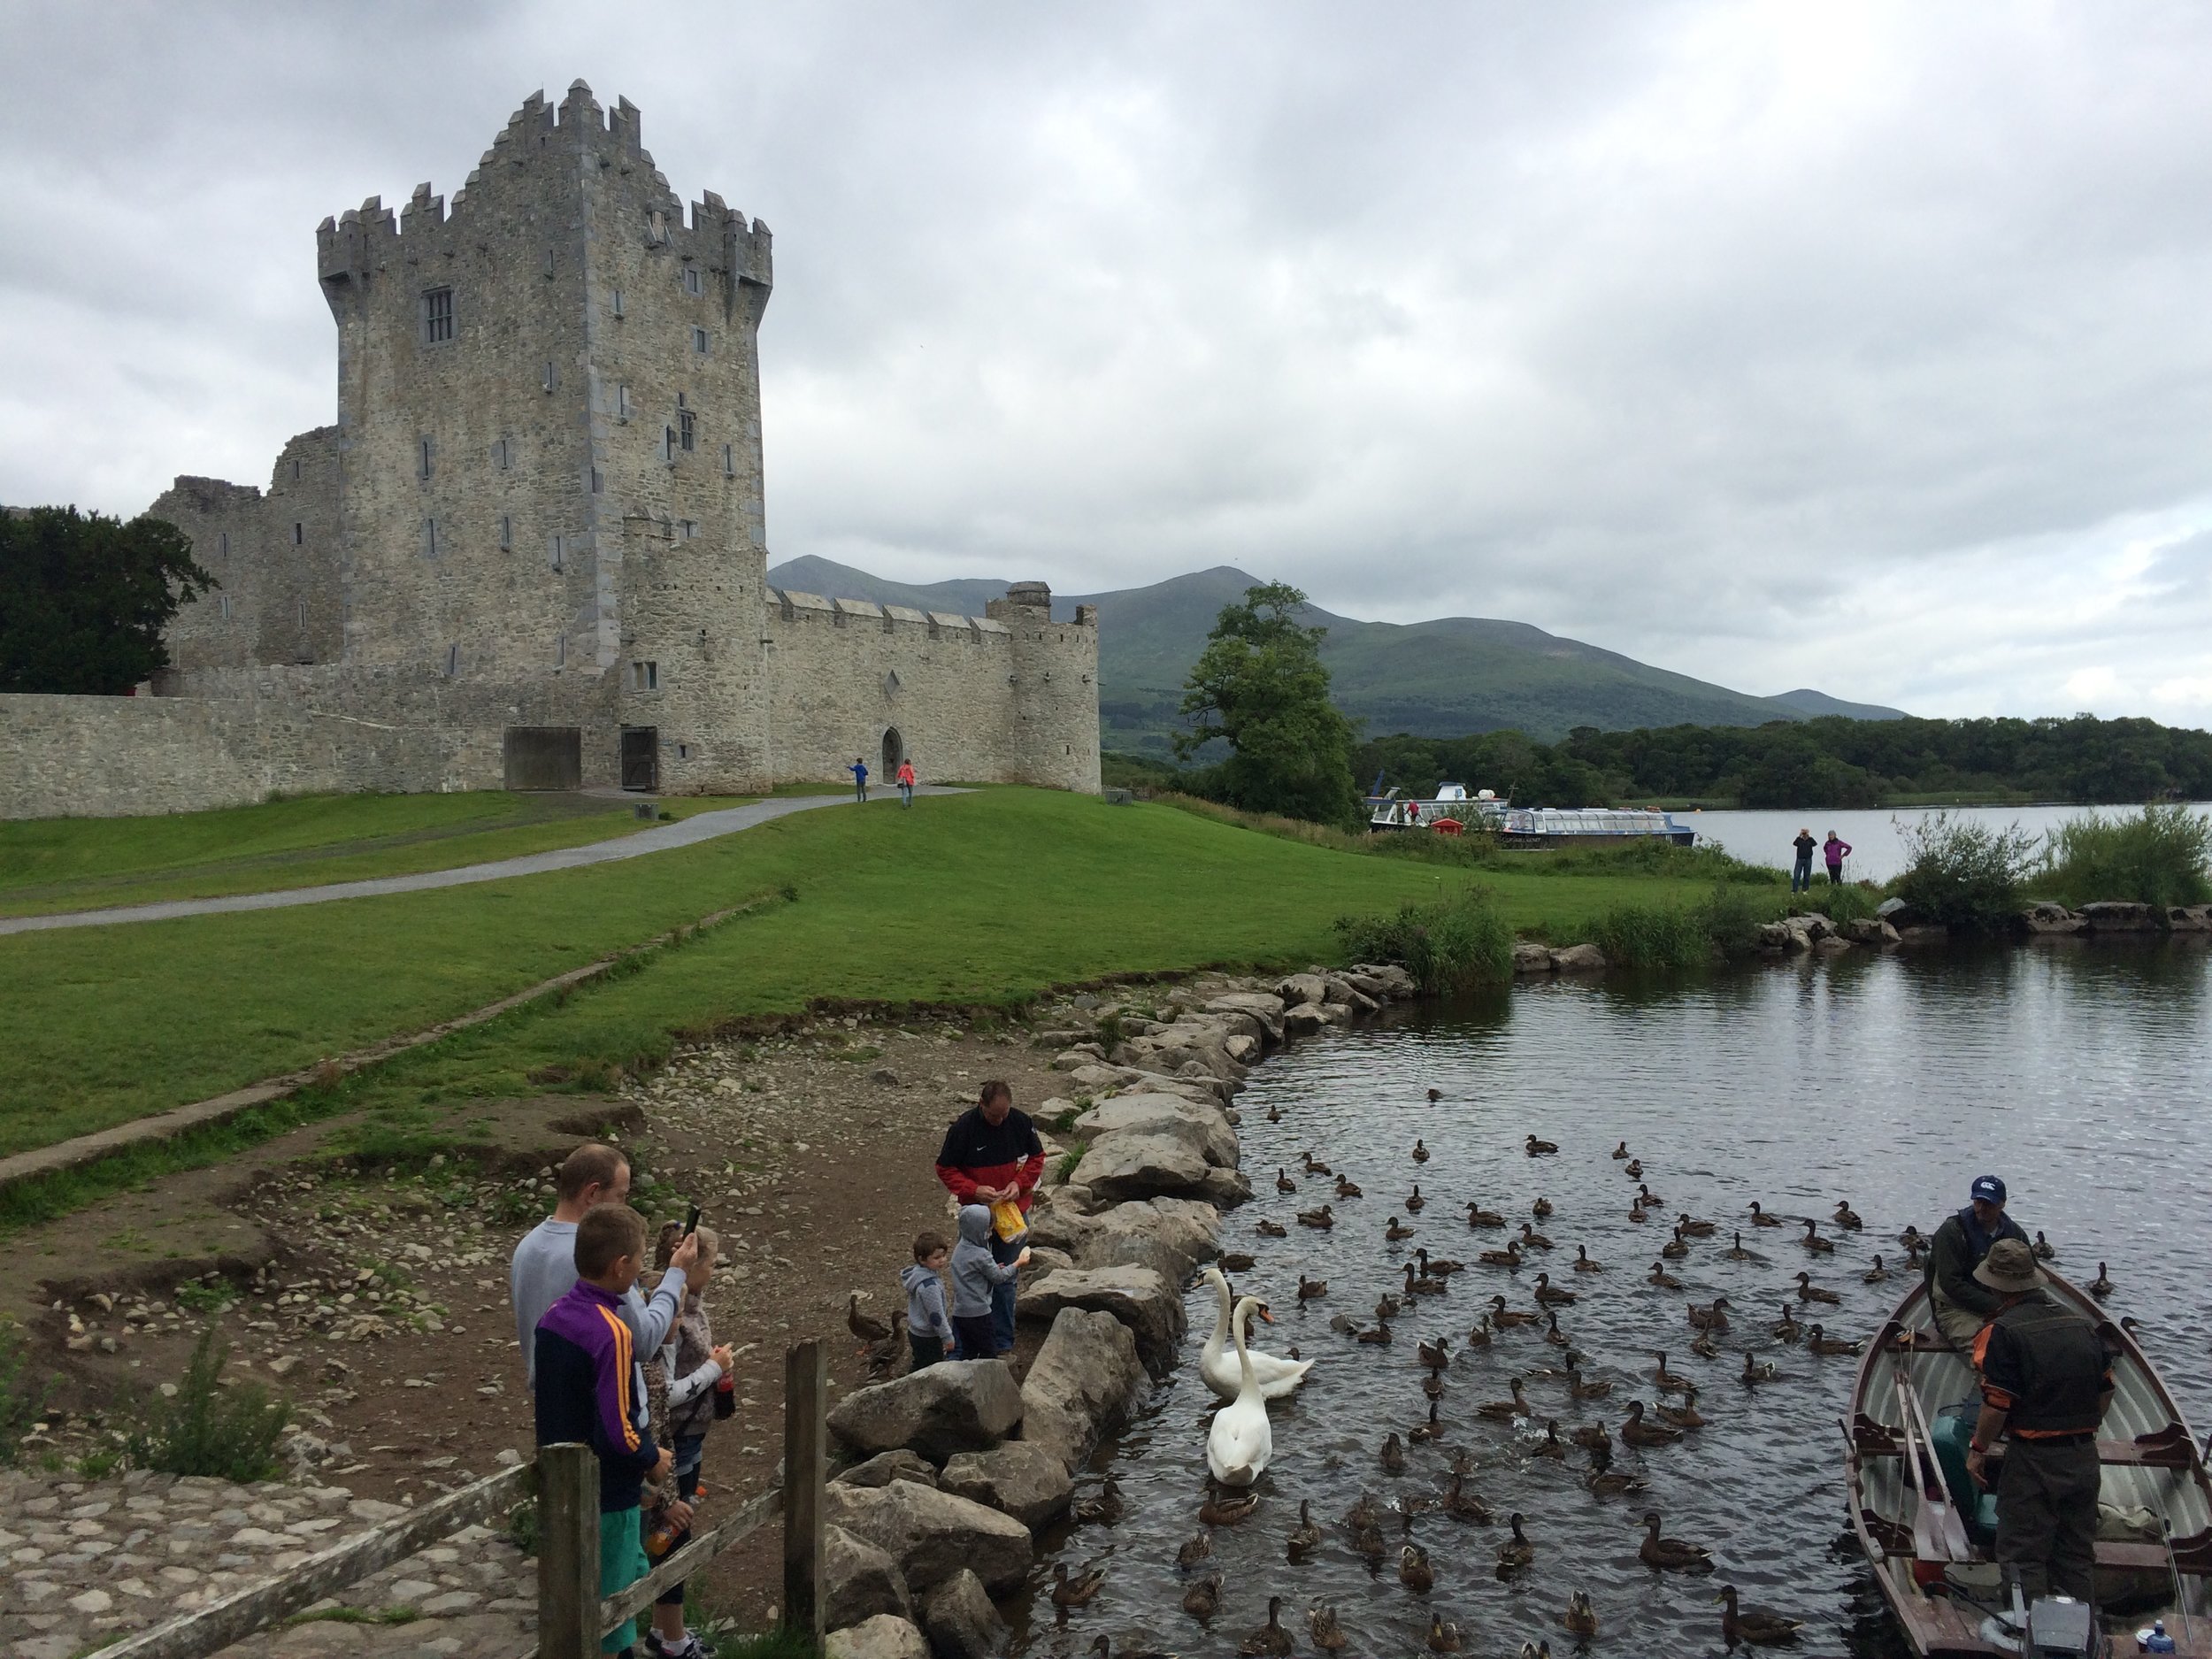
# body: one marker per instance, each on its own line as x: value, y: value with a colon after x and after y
x: 691, y: 1221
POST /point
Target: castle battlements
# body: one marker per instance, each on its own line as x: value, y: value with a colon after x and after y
x: 543, y: 495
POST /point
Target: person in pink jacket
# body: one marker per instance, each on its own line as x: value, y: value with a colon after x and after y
x: 905, y: 779
x: 1833, y: 851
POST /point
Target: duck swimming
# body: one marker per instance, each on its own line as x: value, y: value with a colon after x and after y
x: 1270, y: 1640
x: 1220, y: 1510
x: 1762, y: 1627
x: 1877, y: 1273
x: 1693, y: 1229
x: 2100, y: 1287
x: 1283, y: 1183
x: 1668, y: 1381
x: 1414, y: 1571
x: 1311, y: 1289
x: 1509, y: 1256
x: 1760, y: 1218
x: 1813, y: 1241
x: 1601, y: 1482
x: 1195, y: 1549
x: 1420, y: 1152
x: 1807, y: 1290
x: 1846, y: 1218
x: 1736, y: 1252
x: 1305, y: 1537
x: 1394, y: 1455
x: 1324, y: 1217
x: 1328, y: 1635
x: 2041, y: 1249
x: 1346, y: 1188
x: 1314, y: 1166
x: 1685, y: 1416
x: 1621, y: 1151
x: 1580, y: 1618
x: 1217, y: 1364
x: 1550, y: 1295
x: 1710, y: 1318
x: 1533, y: 1240
x: 1636, y: 1432
x: 1272, y: 1230
x: 1415, y: 1202
x: 1671, y: 1555
x: 1660, y: 1277
x: 1583, y: 1262
x: 1505, y: 1319
x: 1759, y: 1371
x: 1676, y: 1248
x: 1478, y: 1217
x: 1505, y: 1410
x: 1396, y: 1231
x: 1541, y: 1149
x: 1463, y: 1505
x: 1202, y: 1600
x: 1431, y: 1430
x: 1516, y: 1552
x: 1833, y: 1347
x: 1068, y: 1591
x: 1578, y: 1389
x: 1540, y: 1208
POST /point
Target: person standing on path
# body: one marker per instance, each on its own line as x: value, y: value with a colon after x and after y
x: 992, y: 1156
x: 859, y: 770
x: 1833, y: 851
x: 545, y: 1261
x: 1801, y: 872
x: 2046, y: 1379
x: 905, y: 776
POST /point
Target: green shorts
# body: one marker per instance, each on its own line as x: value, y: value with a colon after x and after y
x: 622, y: 1562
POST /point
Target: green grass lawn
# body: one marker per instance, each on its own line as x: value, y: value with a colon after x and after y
x: 971, y: 898
x: 49, y: 864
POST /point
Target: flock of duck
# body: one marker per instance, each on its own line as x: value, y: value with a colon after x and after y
x: 1240, y: 1435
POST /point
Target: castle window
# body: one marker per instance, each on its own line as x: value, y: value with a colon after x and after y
x: 430, y: 538
x: 222, y: 545
x: 686, y: 429
x: 622, y: 402
x: 617, y: 303
x: 506, y: 531
x: 694, y: 282
x: 729, y: 460
x: 560, y: 650
x: 422, y: 459
x: 301, y: 609
x: 552, y: 377
x: 222, y: 606
x: 299, y: 534
x: 295, y: 469
x: 687, y: 528
x: 668, y: 445
x: 699, y: 340
x: 548, y: 262
x: 645, y: 676
x: 452, y: 660
x: 437, y: 317
x: 555, y: 548
x: 503, y: 455
x: 594, y: 481
x: 683, y: 751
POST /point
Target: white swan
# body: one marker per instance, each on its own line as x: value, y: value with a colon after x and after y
x: 1241, y: 1440
x: 1277, y: 1377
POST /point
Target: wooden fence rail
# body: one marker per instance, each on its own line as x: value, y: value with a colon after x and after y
x: 571, y: 1615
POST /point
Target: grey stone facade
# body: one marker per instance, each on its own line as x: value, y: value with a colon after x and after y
x: 542, y: 505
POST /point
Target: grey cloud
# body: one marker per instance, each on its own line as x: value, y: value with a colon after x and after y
x: 1777, y: 345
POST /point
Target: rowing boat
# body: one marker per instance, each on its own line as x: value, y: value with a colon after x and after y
x: 1928, y: 1531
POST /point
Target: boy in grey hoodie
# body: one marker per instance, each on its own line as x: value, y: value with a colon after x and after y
x: 928, y: 1330
x: 974, y: 1273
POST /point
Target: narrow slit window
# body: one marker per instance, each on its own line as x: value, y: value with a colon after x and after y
x: 222, y: 606
x: 222, y: 545
x: 300, y: 607
x: 506, y: 531
x: 693, y: 281
x: 699, y: 340
x: 430, y: 538
x: 422, y: 459
x: 729, y: 460
x: 295, y: 469
x: 595, y: 480
x: 299, y: 534
x: 552, y: 377
x: 437, y: 317
x: 668, y: 444
x: 617, y: 303
x: 560, y: 650
x: 622, y: 402
x: 556, y: 552
x: 452, y: 660
x: 502, y: 456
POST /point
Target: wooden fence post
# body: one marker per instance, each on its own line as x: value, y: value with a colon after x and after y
x: 568, y: 1552
x: 805, y: 1397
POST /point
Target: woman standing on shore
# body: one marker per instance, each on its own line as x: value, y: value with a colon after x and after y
x: 1834, y: 851
x: 1801, y: 873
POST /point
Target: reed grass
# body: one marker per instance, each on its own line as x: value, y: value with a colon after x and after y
x: 2161, y: 856
x: 1457, y: 943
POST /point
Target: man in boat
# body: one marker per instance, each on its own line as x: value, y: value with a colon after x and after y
x: 2046, y: 1379
x: 1960, y: 1305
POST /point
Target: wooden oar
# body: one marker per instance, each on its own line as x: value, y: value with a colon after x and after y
x: 1931, y: 1540
x: 1954, y: 1534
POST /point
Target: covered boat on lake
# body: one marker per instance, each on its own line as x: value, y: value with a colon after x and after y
x: 1589, y: 826
x: 1928, y: 1529
x: 1453, y: 804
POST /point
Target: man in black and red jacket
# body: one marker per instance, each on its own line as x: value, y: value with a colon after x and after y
x: 992, y: 1154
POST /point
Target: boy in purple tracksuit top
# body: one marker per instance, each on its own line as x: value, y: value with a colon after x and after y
x: 590, y: 1388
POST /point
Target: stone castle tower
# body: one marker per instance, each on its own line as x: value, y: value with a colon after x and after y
x: 536, y: 539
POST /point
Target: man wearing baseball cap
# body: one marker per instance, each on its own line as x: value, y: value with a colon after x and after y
x: 2046, y: 1382
x: 1960, y: 1306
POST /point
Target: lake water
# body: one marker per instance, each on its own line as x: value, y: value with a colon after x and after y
x: 1876, y: 847
x: 2079, y: 1073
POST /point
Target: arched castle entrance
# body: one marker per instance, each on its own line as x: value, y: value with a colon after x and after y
x: 893, y: 751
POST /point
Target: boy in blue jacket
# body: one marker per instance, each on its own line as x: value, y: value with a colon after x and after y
x: 591, y: 1388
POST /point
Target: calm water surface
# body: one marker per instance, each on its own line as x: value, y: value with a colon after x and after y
x: 1877, y: 847
x: 2079, y: 1074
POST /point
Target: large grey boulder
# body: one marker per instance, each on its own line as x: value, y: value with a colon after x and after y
x: 961, y: 1621
x: 1081, y: 1387
x: 886, y: 1636
x: 1137, y: 1296
x: 933, y: 1534
x: 1302, y: 988
x: 1531, y: 958
x: 1578, y: 959
x: 1258, y: 1006
x: 2189, y: 919
x: 1122, y: 1166
x: 886, y: 1467
x: 1027, y: 1482
x: 2120, y: 915
x: 862, y: 1581
x: 1202, y: 1126
x: 1169, y: 1235
x: 1869, y: 930
x: 958, y: 1406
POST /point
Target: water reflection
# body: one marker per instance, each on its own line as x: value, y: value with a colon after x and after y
x: 2078, y: 1073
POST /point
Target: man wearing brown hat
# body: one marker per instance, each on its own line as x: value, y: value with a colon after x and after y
x: 2046, y: 1382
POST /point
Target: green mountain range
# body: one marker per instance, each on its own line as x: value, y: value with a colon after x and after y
x: 1446, y: 678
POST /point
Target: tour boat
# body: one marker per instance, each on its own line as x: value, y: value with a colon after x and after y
x: 1589, y: 826
x: 1928, y: 1531
x: 1451, y: 810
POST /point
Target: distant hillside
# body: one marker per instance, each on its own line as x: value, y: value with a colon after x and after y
x: 1442, y: 678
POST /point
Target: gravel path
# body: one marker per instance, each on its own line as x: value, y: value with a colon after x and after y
x: 660, y: 838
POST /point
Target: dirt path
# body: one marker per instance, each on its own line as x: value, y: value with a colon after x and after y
x: 377, y: 1299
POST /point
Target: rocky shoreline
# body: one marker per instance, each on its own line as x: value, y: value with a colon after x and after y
x: 953, y: 1467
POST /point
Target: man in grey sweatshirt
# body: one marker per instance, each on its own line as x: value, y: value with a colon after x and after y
x: 545, y: 1261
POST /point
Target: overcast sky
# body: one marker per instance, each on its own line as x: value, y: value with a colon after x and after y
x: 1865, y: 347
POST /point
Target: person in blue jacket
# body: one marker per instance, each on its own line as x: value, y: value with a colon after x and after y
x: 859, y: 770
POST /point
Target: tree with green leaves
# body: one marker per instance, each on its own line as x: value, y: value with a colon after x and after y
x: 84, y: 598
x: 1259, y: 686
